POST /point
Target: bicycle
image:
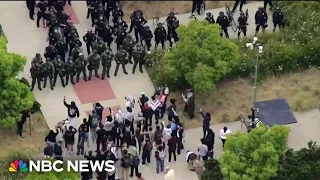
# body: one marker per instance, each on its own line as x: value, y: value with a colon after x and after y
x: 232, y: 22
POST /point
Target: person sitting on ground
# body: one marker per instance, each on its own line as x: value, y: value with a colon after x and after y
x: 198, y: 166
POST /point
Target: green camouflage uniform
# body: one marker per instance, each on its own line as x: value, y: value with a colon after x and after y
x: 106, y: 61
x: 94, y: 63
x: 120, y: 58
x: 81, y: 64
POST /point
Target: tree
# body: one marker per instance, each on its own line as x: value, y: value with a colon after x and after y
x: 212, y: 171
x: 201, y: 58
x: 302, y: 164
x: 15, y: 96
x: 254, y: 155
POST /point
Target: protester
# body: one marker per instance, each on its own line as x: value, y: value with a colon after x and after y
x: 160, y: 156
x: 94, y: 121
x: 172, y: 146
x: 85, y: 128
x: 180, y: 139
x: 198, y: 166
x: 73, y: 112
x: 223, y: 135
x: 25, y: 116
x: 166, y: 134
x: 190, y: 158
x: 90, y: 158
x: 98, y: 109
x: 203, y: 150
x: 189, y: 103
x: 69, y: 139
x: 135, y: 160
x: 101, y: 134
x: 146, y: 150
x: 209, y: 141
x: 48, y: 151
x: 206, y: 122
x: 125, y: 165
x: 51, y: 138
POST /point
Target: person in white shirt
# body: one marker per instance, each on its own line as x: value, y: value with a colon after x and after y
x: 203, y: 150
x: 155, y: 105
x: 223, y: 135
x: 130, y: 101
x: 166, y: 134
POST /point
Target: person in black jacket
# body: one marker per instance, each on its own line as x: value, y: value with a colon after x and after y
x: 25, y: 116
x: 160, y: 35
x: 89, y: 38
x: 209, y: 141
x: 31, y: 4
x: 172, y: 146
x: 236, y: 5
x: 51, y: 138
x: 278, y: 19
x: 146, y: 37
x: 101, y: 134
x: 261, y: 19
x: 210, y: 18
x: 242, y: 24
x: 223, y: 21
x: 172, y: 111
x: 73, y: 111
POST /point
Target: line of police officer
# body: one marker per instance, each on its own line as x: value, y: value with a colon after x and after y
x: 261, y: 21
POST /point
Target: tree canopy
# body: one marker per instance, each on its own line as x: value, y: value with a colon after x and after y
x: 302, y: 164
x: 201, y: 57
x: 254, y: 155
x: 15, y: 96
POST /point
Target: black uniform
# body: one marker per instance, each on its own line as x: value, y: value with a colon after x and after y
x: 147, y: 36
x: 266, y: 2
x: 74, y: 43
x: 31, y: 4
x: 35, y: 72
x: 81, y: 64
x: 261, y: 18
x: 99, y: 22
x: 120, y: 22
x: 138, y: 57
x: 89, y: 38
x: 90, y: 6
x: 196, y: 5
x: 107, y: 34
x: 278, y: 19
x: 50, y: 52
x: 120, y: 58
x: 111, y: 5
x: 116, y: 13
x: 58, y: 5
x: 71, y: 71
x: 42, y: 7
x: 210, y: 18
x: 48, y: 72
x: 160, y: 35
x: 59, y: 70
x: 120, y: 35
x: 128, y: 44
x: 62, y: 49
x: 236, y: 5
x: 137, y: 22
x: 106, y: 61
x: 223, y: 21
x: 242, y: 25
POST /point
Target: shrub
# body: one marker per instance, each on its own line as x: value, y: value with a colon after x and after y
x: 212, y: 171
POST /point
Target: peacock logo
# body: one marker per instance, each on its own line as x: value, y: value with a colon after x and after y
x: 18, y: 166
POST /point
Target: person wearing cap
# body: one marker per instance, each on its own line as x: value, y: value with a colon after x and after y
x: 89, y: 38
x: 146, y: 37
x: 81, y: 64
x: 210, y: 18
x: 223, y: 21
x: 242, y: 24
x: 278, y: 19
x: 75, y: 52
x: 121, y: 59
x: 48, y: 72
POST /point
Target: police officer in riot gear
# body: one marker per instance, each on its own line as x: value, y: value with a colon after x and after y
x: 138, y: 57
x: 128, y: 44
x: 111, y: 5
x: 137, y: 21
x: 48, y: 72
x: 76, y: 52
x: 120, y: 58
x: 37, y: 59
x: 75, y: 43
x: 58, y: 5
x: 120, y: 35
x: 147, y: 37
x: 223, y: 21
x: 59, y: 70
x: 278, y: 19
x: 89, y: 38
x: 210, y: 18
x: 116, y: 13
x: 107, y: 34
x: 99, y: 23
x: 71, y: 71
x: 50, y: 52
x: 160, y: 35
x: 99, y: 45
x: 93, y: 63
x: 35, y: 72
x: 106, y: 61
x: 81, y: 64
x: 170, y: 19
x: 242, y: 24
x: 261, y: 19
x: 120, y: 22
x: 67, y: 32
x: 42, y: 8
x: 236, y: 5
x: 54, y: 36
x: 173, y: 33
x: 61, y: 48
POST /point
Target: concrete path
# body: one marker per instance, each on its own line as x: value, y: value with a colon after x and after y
x: 26, y: 39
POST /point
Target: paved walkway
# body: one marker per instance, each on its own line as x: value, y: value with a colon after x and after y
x: 26, y: 39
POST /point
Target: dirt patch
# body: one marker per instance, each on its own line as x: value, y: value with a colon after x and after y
x: 30, y: 145
x: 232, y: 100
x: 162, y: 8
